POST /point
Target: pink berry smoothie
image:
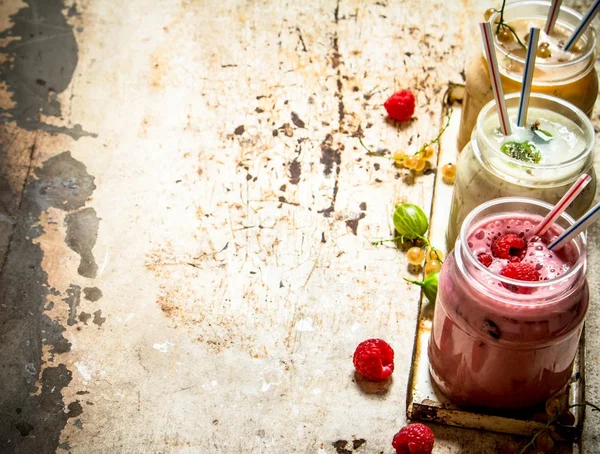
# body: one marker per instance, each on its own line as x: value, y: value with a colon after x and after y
x: 504, y: 343
x: 549, y: 265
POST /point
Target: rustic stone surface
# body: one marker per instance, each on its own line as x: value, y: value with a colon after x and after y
x: 211, y: 147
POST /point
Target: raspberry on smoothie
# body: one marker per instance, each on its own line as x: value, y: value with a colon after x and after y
x: 515, y: 254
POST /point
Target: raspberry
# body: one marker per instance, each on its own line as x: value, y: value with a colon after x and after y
x: 522, y: 272
x: 485, y: 259
x: 374, y: 359
x: 510, y: 247
x: 415, y: 438
x: 401, y: 105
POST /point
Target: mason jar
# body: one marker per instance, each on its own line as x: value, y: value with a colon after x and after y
x: 484, y: 172
x: 572, y: 77
x: 492, y: 346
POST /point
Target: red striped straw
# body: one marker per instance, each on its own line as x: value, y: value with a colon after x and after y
x: 490, y: 53
x: 562, y: 204
x: 552, y: 16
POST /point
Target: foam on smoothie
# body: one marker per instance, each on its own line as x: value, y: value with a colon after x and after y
x: 549, y: 264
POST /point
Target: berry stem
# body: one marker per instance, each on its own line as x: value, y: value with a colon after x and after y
x: 377, y: 243
x: 501, y: 15
x: 502, y: 24
x: 419, y: 283
x: 532, y: 441
x: 553, y: 420
x: 512, y: 30
x: 369, y: 152
x: 438, y: 137
x: 373, y: 153
x: 425, y: 240
x: 429, y: 245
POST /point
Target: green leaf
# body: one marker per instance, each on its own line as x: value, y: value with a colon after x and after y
x: 544, y: 135
x: 522, y: 151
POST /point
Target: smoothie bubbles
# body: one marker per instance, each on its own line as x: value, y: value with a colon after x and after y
x: 569, y: 75
x: 509, y: 310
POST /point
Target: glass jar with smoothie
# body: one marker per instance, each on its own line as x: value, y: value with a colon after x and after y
x: 509, y: 312
x: 556, y: 148
x: 567, y: 75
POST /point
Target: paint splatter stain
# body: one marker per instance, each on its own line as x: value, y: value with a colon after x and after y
x: 295, y: 171
x: 297, y: 121
x: 98, y: 319
x: 62, y: 182
x: 92, y: 294
x: 340, y: 447
x: 352, y: 224
x: 82, y: 232
x: 73, y: 299
x: 40, y: 66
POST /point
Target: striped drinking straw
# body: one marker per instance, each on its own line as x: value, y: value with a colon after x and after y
x: 562, y: 204
x: 488, y: 47
x: 583, y: 25
x: 552, y: 16
x: 534, y: 35
x: 576, y: 228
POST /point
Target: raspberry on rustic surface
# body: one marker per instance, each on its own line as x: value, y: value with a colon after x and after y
x: 374, y: 359
x: 510, y: 246
x: 401, y: 105
x: 415, y: 438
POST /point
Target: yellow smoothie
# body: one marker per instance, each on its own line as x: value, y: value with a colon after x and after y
x: 567, y: 75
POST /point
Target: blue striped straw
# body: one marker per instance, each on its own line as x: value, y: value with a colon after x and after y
x: 576, y: 228
x: 583, y: 25
x: 534, y: 36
